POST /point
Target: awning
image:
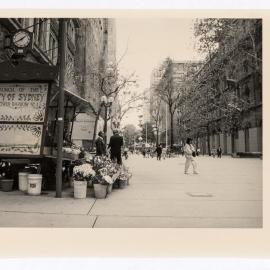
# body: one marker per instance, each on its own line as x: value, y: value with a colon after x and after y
x: 80, y: 103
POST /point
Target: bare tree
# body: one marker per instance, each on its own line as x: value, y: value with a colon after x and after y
x: 168, y: 93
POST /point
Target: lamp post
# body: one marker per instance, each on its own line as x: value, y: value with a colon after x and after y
x: 179, y: 114
x: 107, y: 103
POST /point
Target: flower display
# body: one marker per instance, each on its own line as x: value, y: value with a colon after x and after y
x: 83, y: 172
x: 124, y: 174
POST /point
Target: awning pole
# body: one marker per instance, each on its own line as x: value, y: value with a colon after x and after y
x: 60, y: 119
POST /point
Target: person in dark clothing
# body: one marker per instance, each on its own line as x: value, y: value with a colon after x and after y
x: 159, y: 152
x: 219, y: 152
x: 82, y: 153
x: 100, y: 145
x: 115, y: 145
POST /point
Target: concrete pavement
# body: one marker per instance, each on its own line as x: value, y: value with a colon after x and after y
x: 227, y: 193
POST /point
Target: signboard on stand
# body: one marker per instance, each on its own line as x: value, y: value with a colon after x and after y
x: 22, y: 118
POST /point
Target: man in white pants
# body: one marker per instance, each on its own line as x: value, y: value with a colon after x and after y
x: 188, y: 150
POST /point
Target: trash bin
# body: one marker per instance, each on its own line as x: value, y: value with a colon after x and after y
x: 34, y: 184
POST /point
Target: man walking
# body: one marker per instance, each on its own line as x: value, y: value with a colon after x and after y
x: 219, y: 152
x: 159, y: 152
x: 115, y: 145
x: 189, y: 151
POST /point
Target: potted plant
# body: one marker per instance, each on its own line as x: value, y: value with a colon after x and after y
x: 6, y: 176
x: 82, y: 174
x: 102, y: 181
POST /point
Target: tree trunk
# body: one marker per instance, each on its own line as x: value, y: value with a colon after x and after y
x: 208, y: 141
x: 95, y: 128
x: 172, y: 129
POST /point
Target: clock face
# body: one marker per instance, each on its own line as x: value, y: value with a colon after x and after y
x: 21, y: 39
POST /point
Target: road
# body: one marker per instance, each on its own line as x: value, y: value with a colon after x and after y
x: 227, y: 193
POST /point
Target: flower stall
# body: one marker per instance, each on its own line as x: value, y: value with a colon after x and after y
x: 102, y: 173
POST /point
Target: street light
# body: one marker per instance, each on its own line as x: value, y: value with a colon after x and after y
x: 107, y: 103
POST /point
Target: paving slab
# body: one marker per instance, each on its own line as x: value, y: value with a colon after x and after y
x: 168, y: 208
x: 44, y: 204
x: 15, y: 219
x: 171, y: 222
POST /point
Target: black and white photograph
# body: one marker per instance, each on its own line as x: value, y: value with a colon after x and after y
x: 125, y: 122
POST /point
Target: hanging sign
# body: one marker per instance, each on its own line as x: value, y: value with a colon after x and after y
x: 23, y: 102
x: 22, y: 116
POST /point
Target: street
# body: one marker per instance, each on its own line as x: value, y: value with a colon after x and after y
x: 227, y: 193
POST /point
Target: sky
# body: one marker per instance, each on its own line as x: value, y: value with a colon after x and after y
x: 146, y: 42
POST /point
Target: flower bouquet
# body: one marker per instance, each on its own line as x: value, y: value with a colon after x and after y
x: 82, y: 174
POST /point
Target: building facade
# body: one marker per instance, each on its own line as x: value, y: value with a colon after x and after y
x: 90, y: 47
x: 228, y: 94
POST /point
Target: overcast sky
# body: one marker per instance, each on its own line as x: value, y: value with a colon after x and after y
x: 148, y: 43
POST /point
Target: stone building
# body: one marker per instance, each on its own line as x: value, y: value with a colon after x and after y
x: 90, y: 47
x: 232, y: 83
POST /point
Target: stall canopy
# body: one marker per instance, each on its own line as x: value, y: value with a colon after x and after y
x: 81, y: 104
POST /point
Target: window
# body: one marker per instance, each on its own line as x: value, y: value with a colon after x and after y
x: 71, y: 31
x: 36, y: 30
x: 245, y: 65
x: 53, y: 50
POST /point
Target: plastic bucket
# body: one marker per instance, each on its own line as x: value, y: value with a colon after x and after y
x: 80, y: 188
x: 23, y: 181
x: 100, y: 191
x: 34, y: 184
x: 7, y: 184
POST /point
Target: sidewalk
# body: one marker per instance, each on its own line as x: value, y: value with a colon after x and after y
x: 226, y: 193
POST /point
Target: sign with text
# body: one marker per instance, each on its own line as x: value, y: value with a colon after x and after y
x: 83, y: 130
x: 20, y: 139
x: 23, y: 102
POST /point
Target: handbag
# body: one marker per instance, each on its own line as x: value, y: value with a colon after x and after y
x: 193, y: 153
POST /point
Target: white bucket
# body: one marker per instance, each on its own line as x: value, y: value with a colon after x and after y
x: 34, y: 184
x: 80, y: 188
x: 23, y: 181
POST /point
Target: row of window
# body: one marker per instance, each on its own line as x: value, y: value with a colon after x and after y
x: 45, y: 37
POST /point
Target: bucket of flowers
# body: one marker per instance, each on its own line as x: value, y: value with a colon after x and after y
x: 81, y: 174
x: 101, y: 182
x: 123, y: 177
x: 6, y: 176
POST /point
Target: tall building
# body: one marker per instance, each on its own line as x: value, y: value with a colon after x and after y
x: 90, y: 47
x: 231, y: 113
x: 172, y: 74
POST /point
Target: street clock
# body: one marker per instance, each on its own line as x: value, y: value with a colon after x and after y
x: 22, y: 40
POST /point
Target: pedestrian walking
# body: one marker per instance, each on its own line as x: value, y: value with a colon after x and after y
x: 143, y: 152
x: 115, y: 145
x: 159, y: 152
x: 189, y: 151
x: 164, y: 152
x: 219, y: 152
x: 214, y: 152
x: 125, y: 154
x: 100, y: 145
